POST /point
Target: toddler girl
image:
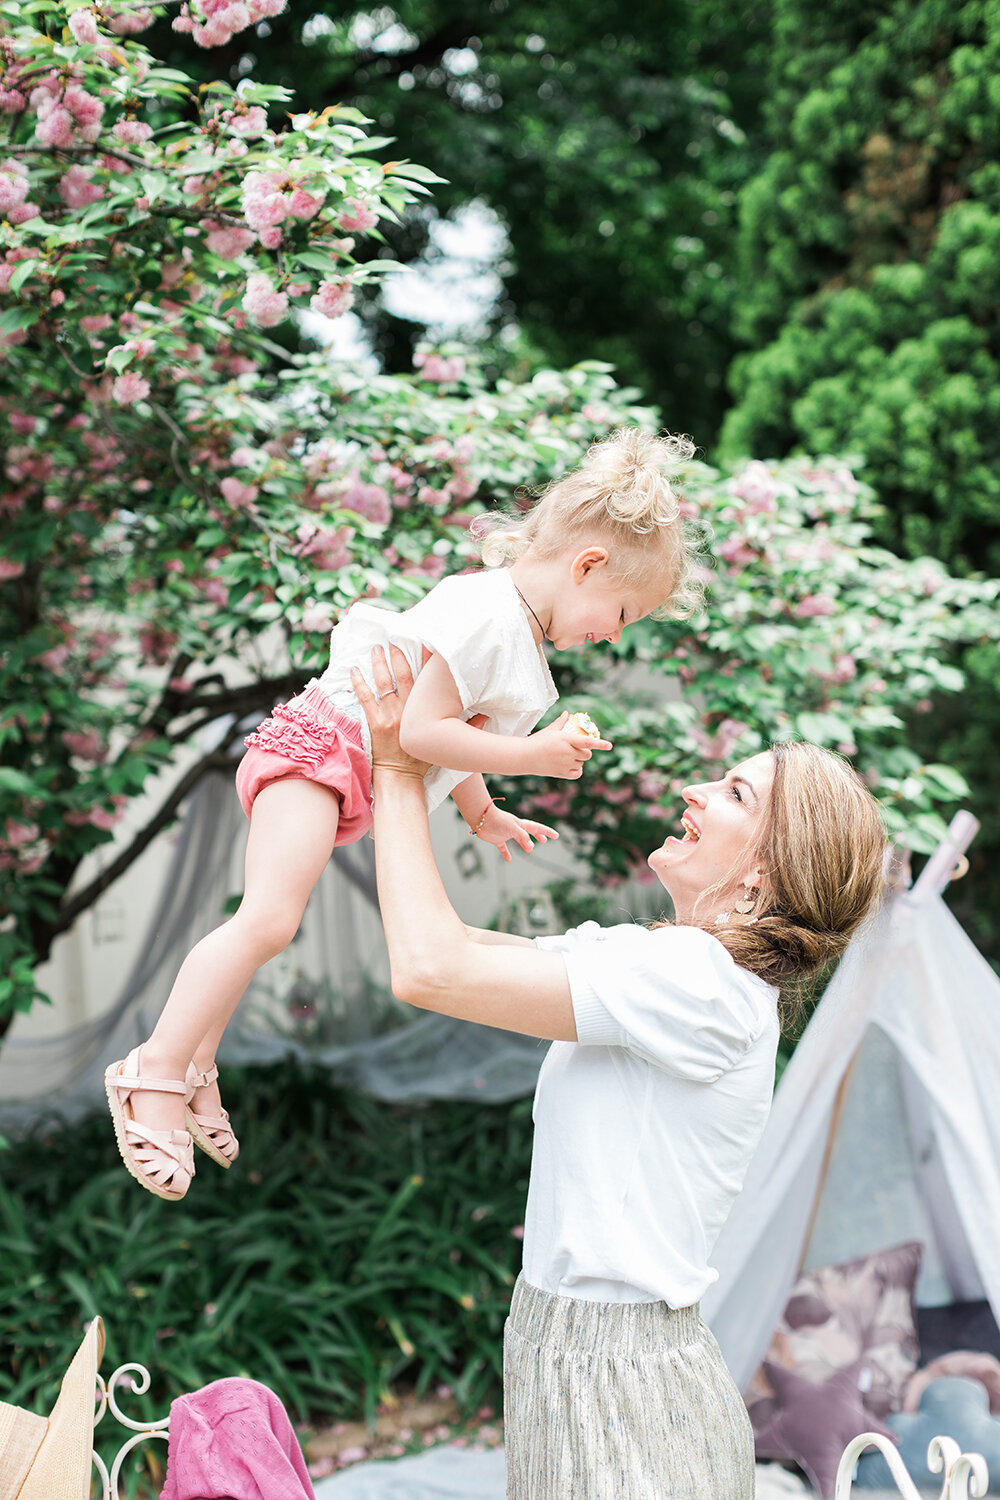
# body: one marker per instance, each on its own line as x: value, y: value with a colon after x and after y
x: 601, y: 549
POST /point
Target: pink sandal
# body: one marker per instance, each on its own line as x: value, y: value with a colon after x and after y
x: 212, y: 1133
x: 161, y: 1160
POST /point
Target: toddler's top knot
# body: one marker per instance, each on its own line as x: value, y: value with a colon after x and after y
x: 623, y: 495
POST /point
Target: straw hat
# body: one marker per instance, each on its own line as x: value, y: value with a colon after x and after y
x: 48, y: 1458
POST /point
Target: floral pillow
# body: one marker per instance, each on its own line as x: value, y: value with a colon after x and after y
x: 860, y: 1310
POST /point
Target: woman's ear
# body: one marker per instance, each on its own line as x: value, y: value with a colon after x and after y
x: 586, y: 561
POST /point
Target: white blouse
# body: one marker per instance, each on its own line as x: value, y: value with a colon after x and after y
x: 476, y: 623
x: 644, y: 1127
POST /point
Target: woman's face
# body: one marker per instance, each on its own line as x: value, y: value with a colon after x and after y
x: 720, y: 826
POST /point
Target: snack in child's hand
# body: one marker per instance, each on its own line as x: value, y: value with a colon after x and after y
x: 583, y: 724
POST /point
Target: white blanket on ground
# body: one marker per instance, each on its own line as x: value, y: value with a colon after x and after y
x: 438, y: 1474
x: 460, y: 1474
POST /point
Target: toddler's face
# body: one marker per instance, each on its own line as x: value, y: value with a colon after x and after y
x: 597, y: 608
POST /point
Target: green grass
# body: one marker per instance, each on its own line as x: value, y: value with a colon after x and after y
x: 355, y: 1247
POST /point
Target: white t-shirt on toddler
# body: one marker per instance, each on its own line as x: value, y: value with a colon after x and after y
x: 476, y: 623
x: 645, y: 1126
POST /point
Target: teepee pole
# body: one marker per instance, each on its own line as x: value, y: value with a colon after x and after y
x: 940, y: 868
x: 839, y: 1101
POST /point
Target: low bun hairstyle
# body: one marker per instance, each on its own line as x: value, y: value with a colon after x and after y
x: 821, y: 852
x: 623, y: 492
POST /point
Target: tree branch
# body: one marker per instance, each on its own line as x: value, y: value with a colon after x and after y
x: 238, y: 701
x: 71, y: 909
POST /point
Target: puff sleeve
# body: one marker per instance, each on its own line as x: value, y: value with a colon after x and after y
x: 672, y: 996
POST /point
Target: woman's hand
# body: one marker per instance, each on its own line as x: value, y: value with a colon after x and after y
x: 384, y: 709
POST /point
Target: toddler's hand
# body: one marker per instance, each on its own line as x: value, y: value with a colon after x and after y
x: 558, y: 751
x: 499, y: 826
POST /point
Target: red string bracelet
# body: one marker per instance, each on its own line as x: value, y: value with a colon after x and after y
x: 478, y: 828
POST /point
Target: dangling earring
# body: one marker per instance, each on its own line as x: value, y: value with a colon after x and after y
x: 748, y: 902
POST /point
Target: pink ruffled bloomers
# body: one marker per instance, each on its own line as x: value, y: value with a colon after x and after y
x: 307, y: 738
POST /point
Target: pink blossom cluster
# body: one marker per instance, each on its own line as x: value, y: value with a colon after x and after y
x: 246, y: 120
x: 429, y: 566
x: 333, y: 299
x: 368, y: 500
x: 212, y: 23
x: 83, y: 25
x: 650, y: 786
x: 263, y: 302
x: 132, y: 132
x: 65, y: 115
x: 317, y: 617
x: 270, y: 198
x: 228, y: 241
x: 236, y: 493
x: 815, y: 604
x: 130, y: 20
x: 157, y: 643
x: 86, y: 744
x: 21, y: 847
x: 357, y: 217
x: 551, y: 804
x: 438, y: 368
x: 76, y: 188
x: 756, y: 487
x: 838, y: 485
x: 14, y: 193
x: 328, y: 549
x: 718, y: 746
x: 736, y: 551
x: 98, y: 816
x: 845, y: 668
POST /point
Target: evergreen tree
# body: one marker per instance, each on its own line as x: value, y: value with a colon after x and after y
x: 870, y: 250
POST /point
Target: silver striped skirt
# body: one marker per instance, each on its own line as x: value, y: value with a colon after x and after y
x: 619, y: 1401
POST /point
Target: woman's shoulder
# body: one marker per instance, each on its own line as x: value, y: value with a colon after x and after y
x: 701, y: 949
x: 686, y: 956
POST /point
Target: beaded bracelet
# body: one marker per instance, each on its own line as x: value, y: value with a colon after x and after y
x: 478, y: 828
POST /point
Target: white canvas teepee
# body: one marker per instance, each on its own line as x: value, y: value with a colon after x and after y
x: 885, y: 1126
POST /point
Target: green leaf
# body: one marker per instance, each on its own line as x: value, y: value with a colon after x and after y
x: 316, y: 260
x: 947, y: 780
x: 13, y: 319
x: 16, y: 781
x: 411, y: 169
x: 24, y: 269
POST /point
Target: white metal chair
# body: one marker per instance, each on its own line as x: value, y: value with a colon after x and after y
x: 137, y: 1378
x: 964, y: 1475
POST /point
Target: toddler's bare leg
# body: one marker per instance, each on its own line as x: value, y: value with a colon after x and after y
x: 293, y: 825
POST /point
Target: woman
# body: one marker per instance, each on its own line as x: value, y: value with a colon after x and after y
x: 649, y: 1103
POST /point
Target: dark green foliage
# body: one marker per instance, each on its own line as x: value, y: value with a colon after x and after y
x: 354, y: 1245
x: 870, y: 248
x: 870, y: 261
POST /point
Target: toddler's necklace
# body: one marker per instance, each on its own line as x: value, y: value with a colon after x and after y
x: 528, y: 607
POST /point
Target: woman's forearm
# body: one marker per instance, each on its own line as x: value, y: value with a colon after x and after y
x: 423, y: 932
x: 434, y: 961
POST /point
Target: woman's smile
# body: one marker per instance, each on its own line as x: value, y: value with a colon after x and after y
x: 724, y: 817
